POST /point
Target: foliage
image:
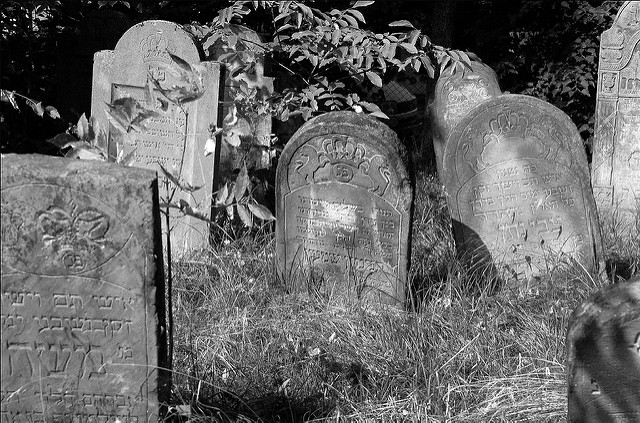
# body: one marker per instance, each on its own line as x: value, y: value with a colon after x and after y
x: 327, y: 54
x: 556, y: 60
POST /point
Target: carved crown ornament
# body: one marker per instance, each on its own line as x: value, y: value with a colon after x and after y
x: 154, y: 48
x: 341, y: 158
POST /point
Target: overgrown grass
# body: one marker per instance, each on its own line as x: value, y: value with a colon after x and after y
x: 247, y: 350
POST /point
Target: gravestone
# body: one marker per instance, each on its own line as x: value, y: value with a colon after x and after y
x: 616, y: 147
x: 176, y: 139
x: 343, y: 209
x: 82, y: 292
x: 454, y: 96
x: 603, y: 356
x: 517, y: 177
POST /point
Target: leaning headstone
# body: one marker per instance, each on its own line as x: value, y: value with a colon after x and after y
x: 455, y: 96
x: 343, y: 198
x: 82, y: 292
x: 177, y: 139
x: 603, y: 356
x: 616, y: 147
x: 517, y: 177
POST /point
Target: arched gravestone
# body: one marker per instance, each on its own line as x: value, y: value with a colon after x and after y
x: 603, y: 356
x: 517, y: 177
x: 454, y: 96
x: 82, y: 292
x: 177, y: 139
x: 616, y: 148
x: 343, y: 213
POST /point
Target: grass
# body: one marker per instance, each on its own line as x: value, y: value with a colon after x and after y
x: 245, y: 349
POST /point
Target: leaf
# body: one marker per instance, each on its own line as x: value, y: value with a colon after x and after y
x: 37, y: 107
x: 374, y: 78
x: 357, y: 14
x: 222, y: 194
x: 183, y: 64
x: 128, y: 159
x: 82, y: 128
x: 362, y: 3
x: 9, y: 97
x: 209, y: 147
x: 86, y: 153
x: 242, y: 183
x: 233, y: 138
x: 229, y: 210
x: 244, y: 215
x: 379, y: 114
x: 61, y: 140
x: 402, y: 23
x: 409, y: 47
x: 52, y: 112
x: 261, y: 212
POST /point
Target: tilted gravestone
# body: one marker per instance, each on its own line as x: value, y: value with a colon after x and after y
x: 603, y: 356
x: 616, y: 147
x: 176, y: 139
x: 517, y: 177
x: 454, y: 96
x: 82, y: 292
x: 343, y: 198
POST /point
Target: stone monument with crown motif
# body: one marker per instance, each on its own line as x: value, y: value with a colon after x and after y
x: 343, y: 216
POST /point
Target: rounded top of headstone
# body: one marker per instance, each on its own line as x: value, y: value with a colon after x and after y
x: 357, y: 125
x: 628, y: 15
x: 149, y: 41
x: 346, y: 136
x: 540, y: 129
x: 479, y: 72
x: 456, y: 94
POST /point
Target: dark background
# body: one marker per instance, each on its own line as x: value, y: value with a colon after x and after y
x: 547, y: 49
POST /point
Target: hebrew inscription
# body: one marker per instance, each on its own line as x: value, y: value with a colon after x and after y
x: 343, y: 209
x: 616, y: 149
x: 78, y: 316
x: 176, y: 139
x: 516, y: 173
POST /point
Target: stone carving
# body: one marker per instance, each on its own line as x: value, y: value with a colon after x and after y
x: 455, y: 95
x: 603, y: 356
x: 343, y: 208
x: 615, y: 170
x: 176, y: 139
x: 81, y: 292
x: 517, y: 178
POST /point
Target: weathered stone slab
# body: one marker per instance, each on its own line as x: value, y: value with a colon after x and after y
x: 517, y: 177
x: 82, y: 292
x: 454, y: 96
x: 177, y: 139
x: 344, y: 199
x: 603, y: 356
x: 616, y: 147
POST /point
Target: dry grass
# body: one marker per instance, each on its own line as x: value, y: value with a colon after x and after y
x: 247, y: 350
